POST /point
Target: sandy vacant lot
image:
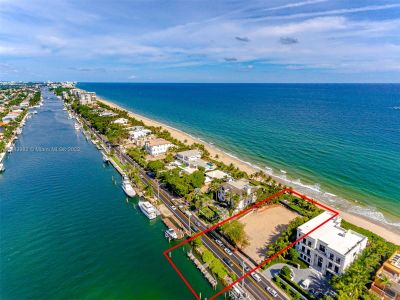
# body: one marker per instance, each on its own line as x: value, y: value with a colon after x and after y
x: 263, y: 228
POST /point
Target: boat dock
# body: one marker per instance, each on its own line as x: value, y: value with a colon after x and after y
x: 171, y: 225
x: 203, y: 270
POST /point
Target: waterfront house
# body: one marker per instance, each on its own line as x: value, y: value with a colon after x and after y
x: 188, y: 156
x: 121, y: 121
x: 192, y: 158
x: 241, y: 188
x: 107, y: 114
x: 157, y: 146
x: 217, y: 174
x: 387, y: 280
x: 137, y: 132
x: 330, y: 249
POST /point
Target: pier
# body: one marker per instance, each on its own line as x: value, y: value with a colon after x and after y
x: 203, y: 270
x: 171, y: 225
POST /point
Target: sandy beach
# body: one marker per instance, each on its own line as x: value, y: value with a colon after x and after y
x: 375, y: 227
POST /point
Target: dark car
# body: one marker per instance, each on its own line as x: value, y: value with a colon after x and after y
x: 228, y: 262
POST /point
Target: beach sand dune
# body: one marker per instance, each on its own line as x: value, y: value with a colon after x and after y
x: 375, y: 227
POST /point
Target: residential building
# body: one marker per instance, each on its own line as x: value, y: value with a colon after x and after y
x: 192, y: 158
x: 387, y: 280
x: 121, y: 121
x: 137, y: 132
x: 242, y: 188
x: 217, y: 174
x: 188, y: 156
x: 157, y: 146
x: 330, y: 249
x: 107, y: 114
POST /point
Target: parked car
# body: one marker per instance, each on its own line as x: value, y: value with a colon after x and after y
x: 219, y: 243
x: 173, y: 207
x: 272, y: 291
x: 256, y: 277
x: 305, y: 283
x: 228, y: 262
x: 228, y: 251
x: 188, y: 213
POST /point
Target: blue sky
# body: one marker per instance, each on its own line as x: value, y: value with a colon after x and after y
x: 200, y: 41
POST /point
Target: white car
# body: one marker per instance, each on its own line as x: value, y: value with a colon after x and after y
x: 256, y: 277
x: 228, y: 251
x: 173, y: 207
x: 219, y: 243
x: 272, y: 292
x: 188, y: 213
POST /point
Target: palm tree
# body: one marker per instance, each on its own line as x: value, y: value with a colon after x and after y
x: 385, y: 282
x: 214, y: 187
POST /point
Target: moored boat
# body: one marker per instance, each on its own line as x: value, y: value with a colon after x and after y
x: 105, y: 158
x: 170, y: 234
x: 2, y: 168
x: 77, y: 127
x: 127, y: 187
x: 148, y: 209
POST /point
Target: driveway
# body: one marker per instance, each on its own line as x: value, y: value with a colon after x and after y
x: 319, y: 284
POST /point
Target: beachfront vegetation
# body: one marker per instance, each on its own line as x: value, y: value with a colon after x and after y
x: 307, y: 211
x: 355, y: 281
x: 234, y: 231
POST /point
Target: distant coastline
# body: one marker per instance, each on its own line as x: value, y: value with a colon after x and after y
x: 391, y: 232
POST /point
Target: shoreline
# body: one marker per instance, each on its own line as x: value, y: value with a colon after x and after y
x: 386, y: 231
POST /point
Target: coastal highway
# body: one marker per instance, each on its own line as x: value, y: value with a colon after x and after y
x: 258, y: 290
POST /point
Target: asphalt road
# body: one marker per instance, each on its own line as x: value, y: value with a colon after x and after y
x: 258, y: 290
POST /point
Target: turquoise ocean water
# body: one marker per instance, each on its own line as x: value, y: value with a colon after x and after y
x: 66, y: 229
x: 336, y: 142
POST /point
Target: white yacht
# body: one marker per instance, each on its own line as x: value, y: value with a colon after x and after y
x: 34, y: 112
x: 171, y: 234
x: 105, y: 158
x: 2, y: 168
x: 77, y: 127
x: 148, y: 209
x: 10, y: 149
x: 127, y: 187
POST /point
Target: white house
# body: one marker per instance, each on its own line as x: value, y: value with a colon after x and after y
x: 107, y: 114
x: 217, y: 174
x: 157, y: 146
x: 242, y: 188
x: 330, y: 249
x: 137, y: 132
x: 188, y: 156
x: 192, y: 158
x: 121, y: 121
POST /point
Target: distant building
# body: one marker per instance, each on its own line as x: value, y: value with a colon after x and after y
x: 192, y: 158
x: 242, y: 188
x: 330, y: 249
x: 157, y: 146
x: 217, y: 174
x: 188, y: 156
x: 390, y: 270
x: 107, y: 114
x: 84, y: 97
x: 137, y: 132
x: 121, y: 121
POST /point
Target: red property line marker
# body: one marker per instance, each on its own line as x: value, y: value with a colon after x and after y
x: 165, y: 253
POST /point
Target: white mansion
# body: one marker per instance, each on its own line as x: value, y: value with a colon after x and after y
x: 330, y: 249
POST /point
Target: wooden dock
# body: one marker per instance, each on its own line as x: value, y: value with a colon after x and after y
x: 171, y: 225
x: 203, y: 270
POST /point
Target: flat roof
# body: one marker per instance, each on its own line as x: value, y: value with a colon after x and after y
x: 158, y: 142
x: 337, y: 238
x: 193, y: 152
